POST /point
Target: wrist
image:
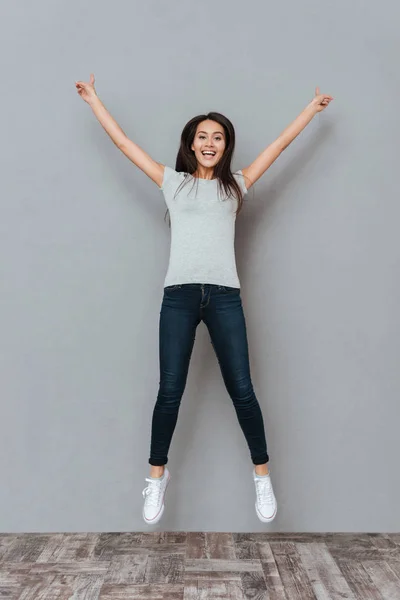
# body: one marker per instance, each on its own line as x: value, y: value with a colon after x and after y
x: 311, y: 108
x: 94, y: 100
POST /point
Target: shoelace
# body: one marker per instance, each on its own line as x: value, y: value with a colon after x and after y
x: 264, y: 490
x: 152, y: 492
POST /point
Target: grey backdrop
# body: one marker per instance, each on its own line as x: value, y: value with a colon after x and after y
x: 84, y: 251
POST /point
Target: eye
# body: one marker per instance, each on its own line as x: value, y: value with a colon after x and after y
x: 201, y: 136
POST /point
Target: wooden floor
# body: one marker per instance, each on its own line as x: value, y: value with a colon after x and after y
x: 201, y: 566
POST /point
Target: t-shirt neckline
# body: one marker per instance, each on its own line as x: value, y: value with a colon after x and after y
x: 202, y: 179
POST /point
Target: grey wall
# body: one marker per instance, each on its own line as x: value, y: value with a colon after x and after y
x: 84, y: 251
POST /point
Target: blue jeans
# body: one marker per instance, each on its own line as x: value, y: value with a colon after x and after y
x: 220, y: 307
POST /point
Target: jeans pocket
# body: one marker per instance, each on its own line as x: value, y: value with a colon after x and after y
x: 171, y: 288
x: 227, y: 289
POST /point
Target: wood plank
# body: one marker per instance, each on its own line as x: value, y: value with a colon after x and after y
x: 395, y: 566
x: 212, y: 575
x: 362, y: 554
x: 383, y: 541
x: 344, y: 539
x: 74, y: 547
x: 127, y: 569
x: 109, y: 544
x: 165, y: 568
x: 292, y: 572
x: 50, y: 587
x: 254, y: 585
x: 359, y: 581
x: 156, y: 543
x: 248, y: 549
x: 163, y: 537
x: 324, y: 574
x: 395, y: 537
x: 196, y: 545
x: 272, y: 577
x: 141, y: 592
x: 26, y: 548
x: 87, y: 587
x: 213, y: 590
x: 213, y: 564
x: 70, y: 567
x: 52, y: 546
x: 10, y: 583
x: 385, y: 579
x: 7, y: 541
x: 220, y: 545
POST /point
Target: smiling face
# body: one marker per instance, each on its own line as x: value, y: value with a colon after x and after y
x: 208, y: 144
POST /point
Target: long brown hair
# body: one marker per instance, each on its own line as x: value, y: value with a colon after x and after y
x: 186, y: 161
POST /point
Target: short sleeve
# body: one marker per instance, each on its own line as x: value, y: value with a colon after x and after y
x: 171, y: 181
x: 170, y: 177
x: 240, y: 179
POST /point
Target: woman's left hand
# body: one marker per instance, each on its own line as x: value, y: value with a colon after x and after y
x: 320, y: 101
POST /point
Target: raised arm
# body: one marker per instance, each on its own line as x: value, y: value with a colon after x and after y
x: 137, y: 155
x: 271, y: 153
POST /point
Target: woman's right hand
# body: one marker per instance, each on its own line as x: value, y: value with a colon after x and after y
x: 86, y: 90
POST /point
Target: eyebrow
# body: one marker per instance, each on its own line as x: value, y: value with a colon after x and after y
x: 214, y: 132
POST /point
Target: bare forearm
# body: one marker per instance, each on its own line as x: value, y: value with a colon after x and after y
x: 108, y: 123
x: 292, y: 131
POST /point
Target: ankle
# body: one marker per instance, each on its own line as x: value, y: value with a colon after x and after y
x: 261, y: 469
x: 157, y: 471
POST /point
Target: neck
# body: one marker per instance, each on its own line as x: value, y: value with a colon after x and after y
x: 204, y: 172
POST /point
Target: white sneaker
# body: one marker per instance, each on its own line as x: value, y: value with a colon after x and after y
x: 266, y: 506
x: 154, y: 497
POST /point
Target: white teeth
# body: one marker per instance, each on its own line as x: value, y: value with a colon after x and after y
x: 210, y: 153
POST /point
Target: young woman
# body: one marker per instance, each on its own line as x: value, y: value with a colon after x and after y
x: 203, y: 197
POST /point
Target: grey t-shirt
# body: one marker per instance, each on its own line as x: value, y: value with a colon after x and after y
x: 202, y: 230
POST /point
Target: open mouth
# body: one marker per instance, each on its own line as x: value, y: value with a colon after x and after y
x: 208, y: 154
